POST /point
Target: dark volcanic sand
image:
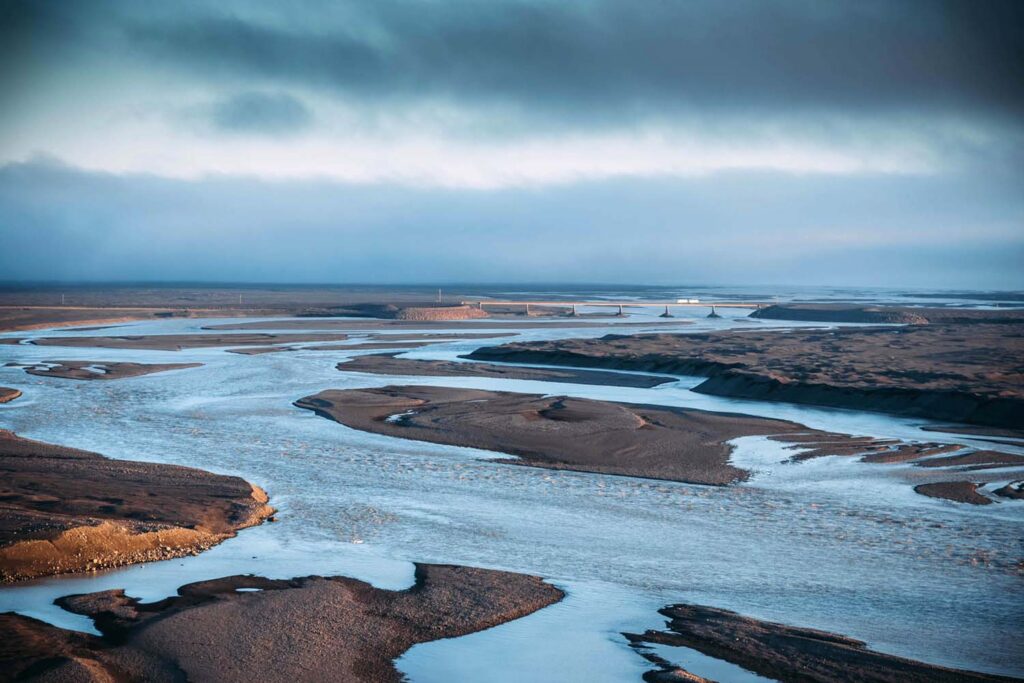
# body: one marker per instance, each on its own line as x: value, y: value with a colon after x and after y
x: 66, y: 510
x: 389, y: 364
x: 785, y: 653
x: 956, y: 491
x: 971, y: 373
x: 555, y: 432
x: 177, y: 342
x: 76, y: 369
x: 846, y: 313
x: 307, y: 629
x: 8, y: 394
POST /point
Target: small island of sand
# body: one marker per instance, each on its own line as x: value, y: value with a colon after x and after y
x: 782, y: 653
x: 68, y: 510
x: 306, y: 629
x: 102, y: 370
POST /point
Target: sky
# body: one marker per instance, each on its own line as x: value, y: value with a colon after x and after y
x: 858, y: 142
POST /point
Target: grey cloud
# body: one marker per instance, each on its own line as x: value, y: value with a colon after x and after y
x: 578, y: 60
x: 259, y: 112
x: 610, y: 57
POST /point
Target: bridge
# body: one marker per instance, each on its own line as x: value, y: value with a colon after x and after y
x: 620, y: 305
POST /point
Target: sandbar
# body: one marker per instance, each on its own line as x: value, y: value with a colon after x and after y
x: 67, y: 510
x: 245, y: 628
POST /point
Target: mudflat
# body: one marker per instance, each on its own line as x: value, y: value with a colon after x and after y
x: 391, y: 364
x: 100, y: 370
x: 963, y: 373
x: 555, y: 432
x: 67, y: 510
x: 8, y: 394
x: 783, y: 653
x: 305, y: 629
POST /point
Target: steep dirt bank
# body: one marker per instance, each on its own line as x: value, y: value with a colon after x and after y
x: 389, y: 364
x: 912, y: 315
x: 962, y: 373
x: 306, y: 629
x: 66, y: 510
x: 784, y: 653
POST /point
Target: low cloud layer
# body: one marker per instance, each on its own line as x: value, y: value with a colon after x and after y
x: 60, y: 223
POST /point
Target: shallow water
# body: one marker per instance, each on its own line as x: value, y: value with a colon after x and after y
x: 830, y: 543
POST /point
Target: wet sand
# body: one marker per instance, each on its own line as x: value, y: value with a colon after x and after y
x: 972, y: 374
x: 66, y: 510
x: 390, y: 364
x: 556, y: 432
x: 177, y: 342
x: 783, y: 653
x: 306, y: 629
x: 8, y: 394
x: 78, y: 369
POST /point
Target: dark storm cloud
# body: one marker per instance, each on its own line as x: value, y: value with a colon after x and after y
x: 610, y: 56
x: 258, y: 112
x: 577, y: 59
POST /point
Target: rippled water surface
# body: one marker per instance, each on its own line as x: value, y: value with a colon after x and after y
x: 830, y: 543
